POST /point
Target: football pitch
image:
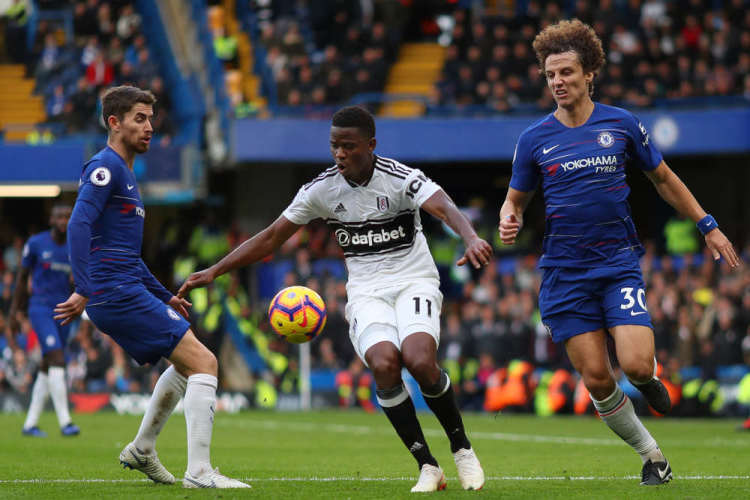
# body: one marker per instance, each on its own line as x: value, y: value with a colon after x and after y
x: 351, y: 454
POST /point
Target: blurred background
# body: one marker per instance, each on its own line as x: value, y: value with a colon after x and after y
x: 246, y: 89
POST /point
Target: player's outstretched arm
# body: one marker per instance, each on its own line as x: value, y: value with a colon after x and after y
x: 19, y: 301
x: 511, y: 214
x: 671, y: 188
x: 478, y: 252
x: 252, y: 250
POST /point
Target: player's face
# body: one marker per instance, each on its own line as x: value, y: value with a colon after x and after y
x: 566, y: 79
x: 59, y: 219
x: 135, y: 128
x: 352, y: 152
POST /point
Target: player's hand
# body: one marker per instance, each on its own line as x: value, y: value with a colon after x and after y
x: 180, y: 305
x: 196, y: 280
x: 71, y: 308
x: 478, y: 252
x: 720, y: 246
x: 508, y: 228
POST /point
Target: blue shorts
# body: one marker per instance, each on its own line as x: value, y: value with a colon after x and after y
x: 575, y: 301
x: 51, y: 334
x: 144, y: 326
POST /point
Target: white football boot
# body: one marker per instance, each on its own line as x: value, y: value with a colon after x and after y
x: 431, y: 478
x: 211, y: 479
x: 133, y: 458
x: 469, y: 470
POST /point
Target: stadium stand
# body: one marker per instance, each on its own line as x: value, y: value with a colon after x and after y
x: 304, y: 59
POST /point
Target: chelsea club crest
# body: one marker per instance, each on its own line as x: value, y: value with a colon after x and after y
x: 605, y: 139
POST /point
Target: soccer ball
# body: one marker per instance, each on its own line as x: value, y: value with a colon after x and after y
x: 297, y: 313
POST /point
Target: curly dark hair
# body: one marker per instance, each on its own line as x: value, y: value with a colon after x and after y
x: 355, y: 117
x: 571, y: 35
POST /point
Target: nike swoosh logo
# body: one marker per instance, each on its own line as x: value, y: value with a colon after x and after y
x: 212, y: 484
x: 130, y: 187
x: 547, y: 150
x: 662, y: 473
x: 140, y: 462
x: 708, y: 223
x: 304, y: 319
x: 633, y: 313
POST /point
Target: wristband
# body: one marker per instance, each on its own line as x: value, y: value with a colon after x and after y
x: 706, y: 224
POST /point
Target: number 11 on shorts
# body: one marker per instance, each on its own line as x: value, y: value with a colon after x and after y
x: 417, y: 300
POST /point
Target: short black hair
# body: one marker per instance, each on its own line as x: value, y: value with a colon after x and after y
x: 119, y: 100
x: 356, y: 117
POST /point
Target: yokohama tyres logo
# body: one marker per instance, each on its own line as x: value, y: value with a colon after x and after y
x: 593, y: 161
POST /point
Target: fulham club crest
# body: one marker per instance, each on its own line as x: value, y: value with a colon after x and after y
x: 605, y: 139
x: 383, y: 203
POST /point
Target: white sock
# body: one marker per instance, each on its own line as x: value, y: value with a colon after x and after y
x: 199, y: 404
x: 38, y: 398
x: 59, y: 392
x: 617, y: 412
x: 167, y: 393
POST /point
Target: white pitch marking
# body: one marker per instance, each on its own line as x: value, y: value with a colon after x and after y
x: 494, y: 436
x: 370, y: 479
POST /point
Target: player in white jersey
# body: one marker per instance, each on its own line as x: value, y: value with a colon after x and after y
x: 372, y: 204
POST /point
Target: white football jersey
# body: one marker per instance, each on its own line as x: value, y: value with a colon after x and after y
x: 377, y: 224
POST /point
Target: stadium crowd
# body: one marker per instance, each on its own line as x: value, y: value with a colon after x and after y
x: 106, y: 47
x: 323, y: 53
x: 656, y: 50
x: 700, y: 312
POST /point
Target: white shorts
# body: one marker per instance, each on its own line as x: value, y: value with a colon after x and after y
x: 393, y: 313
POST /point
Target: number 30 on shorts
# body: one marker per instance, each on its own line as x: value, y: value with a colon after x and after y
x: 640, y: 295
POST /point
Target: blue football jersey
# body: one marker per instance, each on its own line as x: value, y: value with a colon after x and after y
x: 50, y: 269
x: 106, y: 229
x: 583, y: 179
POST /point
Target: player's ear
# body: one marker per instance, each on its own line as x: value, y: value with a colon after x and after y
x: 371, y: 144
x: 113, y: 123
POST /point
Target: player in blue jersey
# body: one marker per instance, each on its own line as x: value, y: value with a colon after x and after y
x: 592, y: 282
x: 124, y: 300
x: 45, y: 258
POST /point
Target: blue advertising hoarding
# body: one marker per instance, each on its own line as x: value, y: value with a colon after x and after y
x: 692, y: 132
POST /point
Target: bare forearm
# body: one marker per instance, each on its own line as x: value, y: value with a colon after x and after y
x: 457, y: 221
x: 511, y: 207
x: 674, y: 192
x: 20, y: 292
x: 441, y: 205
x: 249, y: 252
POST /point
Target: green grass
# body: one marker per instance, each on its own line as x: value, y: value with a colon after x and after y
x: 355, y: 455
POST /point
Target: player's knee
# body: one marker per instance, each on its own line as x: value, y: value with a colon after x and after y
x: 598, y: 382
x: 423, y: 366
x: 639, y: 371
x: 210, y: 364
x: 385, y: 365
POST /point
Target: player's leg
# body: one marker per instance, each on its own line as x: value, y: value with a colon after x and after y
x: 384, y: 360
x: 52, y: 338
x: 372, y: 330
x: 39, y: 393
x: 588, y: 354
x: 629, y: 323
x: 58, y: 390
x: 169, y: 388
x: 198, y: 365
x: 418, y: 314
x: 635, y: 353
